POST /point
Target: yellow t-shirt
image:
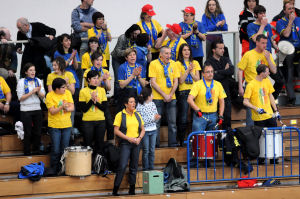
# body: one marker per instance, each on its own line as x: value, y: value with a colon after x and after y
x: 87, y: 62
x: 67, y: 75
x: 157, y: 70
x: 4, y: 87
x: 250, y: 61
x: 185, y: 86
x: 86, y: 72
x: 157, y: 27
x: 198, y: 91
x: 91, y: 33
x: 132, y: 124
x: 181, y: 41
x: 93, y: 114
x: 258, y: 94
x: 61, y: 119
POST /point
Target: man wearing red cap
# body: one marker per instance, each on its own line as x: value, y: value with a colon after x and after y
x: 174, y: 41
x: 151, y: 27
x: 193, y: 32
x: 164, y: 76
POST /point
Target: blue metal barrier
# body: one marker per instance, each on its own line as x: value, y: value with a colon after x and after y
x: 201, y: 150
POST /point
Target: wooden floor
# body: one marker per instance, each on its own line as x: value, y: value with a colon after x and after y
x: 62, y: 186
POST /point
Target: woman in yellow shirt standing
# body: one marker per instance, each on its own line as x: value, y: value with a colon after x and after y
x: 92, y: 100
x: 60, y: 104
x: 189, y: 74
x: 129, y: 127
x: 102, y: 33
x: 59, y: 70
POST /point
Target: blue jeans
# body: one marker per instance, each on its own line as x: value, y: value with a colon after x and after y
x: 149, y: 150
x: 183, y: 108
x: 200, y: 124
x: 249, y: 121
x: 128, y: 152
x: 60, y: 140
x: 170, y: 109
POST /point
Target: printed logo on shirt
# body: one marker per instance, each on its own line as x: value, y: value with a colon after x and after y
x: 259, y: 62
x: 262, y: 96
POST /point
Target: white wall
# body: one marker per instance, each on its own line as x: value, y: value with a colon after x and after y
x: 120, y: 14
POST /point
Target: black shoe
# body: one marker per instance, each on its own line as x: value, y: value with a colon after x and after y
x: 291, y: 102
x: 208, y: 163
x: 261, y: 161
x: 115, y: 191
x: 272, y: 161
x: 131, y: 189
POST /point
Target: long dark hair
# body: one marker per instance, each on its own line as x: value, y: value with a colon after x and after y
x: 93, y: 39
x: 146, y: 92
x: 60, y: 61
x: 246, y: 4
x: 218, y: 9
x: 60, y: 47
x: 180, y: 55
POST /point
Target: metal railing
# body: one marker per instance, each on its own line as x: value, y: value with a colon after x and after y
x: 276, y: 144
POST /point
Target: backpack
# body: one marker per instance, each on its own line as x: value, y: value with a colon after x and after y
x: 33, y: 171
x: 100, y: 165
x: 175, y: 177
x: 112, y: 154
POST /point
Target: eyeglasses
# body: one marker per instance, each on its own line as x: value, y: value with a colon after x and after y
x: 187, y: 15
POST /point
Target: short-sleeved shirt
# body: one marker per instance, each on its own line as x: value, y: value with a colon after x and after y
x: 172, y: 43
x: 94, y: 113
x: 181, y: 68
x: 199, y: 90
x: 91, y: 33
x: 67, y: 75
x: 157, y: 70
x: 197, y: 50
x: 250, y: 61
x: 87, y: 62
x: 123, y: 71
x: 258, y: 93
x: 88, y: 70
x: 132, y: 124
x: 61, y: 119
x: 4, y: 87
x: 294, y: 36
x: 253, y: 28
x: 157, y: 27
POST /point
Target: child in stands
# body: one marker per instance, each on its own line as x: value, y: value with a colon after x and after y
x: 149, y: 113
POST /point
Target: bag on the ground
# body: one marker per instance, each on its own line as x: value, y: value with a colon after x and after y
x: 33, y: 171
x: 112, y: 154
x: 6, y: 128
x: 175, y: 177
x: 100, y: 165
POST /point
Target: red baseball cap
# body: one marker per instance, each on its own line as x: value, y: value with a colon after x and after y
x: 189, y: 9
x: 148, y: 9
x: 175, y: 28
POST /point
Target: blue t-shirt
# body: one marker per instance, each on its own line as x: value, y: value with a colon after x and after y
x: 210, y: 24
x: 141, y: 56
x: 195, y: 44
x: 294, y: 36
x: 253, y: 28
x: 123, y: 74
x: 69, y: 68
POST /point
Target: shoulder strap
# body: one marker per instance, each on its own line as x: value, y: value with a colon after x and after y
x: 123, y: 127
x: 139, y: 120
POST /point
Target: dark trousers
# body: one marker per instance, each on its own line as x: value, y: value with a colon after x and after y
x: 128, y: 152
x: 182, y: 114
x: 279, y: 82
x: 289, y: 76
x: 109, y: 124
x: 32, y: 124
x: 227, y: 113
x: 94, y: 131
x: 266, y: 123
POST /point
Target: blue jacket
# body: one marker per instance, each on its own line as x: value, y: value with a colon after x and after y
x: 210, y: 24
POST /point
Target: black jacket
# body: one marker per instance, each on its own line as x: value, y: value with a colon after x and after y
x: 245, y: 18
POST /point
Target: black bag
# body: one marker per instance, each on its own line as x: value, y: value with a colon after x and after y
x: 112, y: 154
x: 100, y: 165
x: 249, y: 139
x: 175, y: 177
x: 6, y: 128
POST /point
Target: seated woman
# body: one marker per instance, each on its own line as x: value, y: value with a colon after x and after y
x: 59, y: 70
x: 97, y: 59
x: 213, y: 19
x: 189, y: 74
x: 60, y: 104
x: 131, y: 76
x: 102, y: 33
x: 93, y: 46
x: 92, y: 101
x: 30, y: 90
x: 71, y: 57
x: 129, y: 127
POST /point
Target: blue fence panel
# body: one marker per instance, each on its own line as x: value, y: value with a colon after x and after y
x: 203, y: 157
